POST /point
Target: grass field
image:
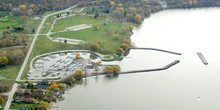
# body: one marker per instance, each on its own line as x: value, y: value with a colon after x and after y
x: 9, y: 21
x: 16, y: 21
x: 62, y: 24
x: 25, y: 105
x: 10, y: 72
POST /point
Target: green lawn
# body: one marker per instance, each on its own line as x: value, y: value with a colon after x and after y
x: 9, y: 21
x: 10, y: 72
x: 16, y: 21
x: 91, y: 35
x: 62, y: 24
x: 28, y: 106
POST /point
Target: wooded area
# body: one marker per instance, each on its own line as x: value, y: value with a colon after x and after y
x: 13, y: 57
x: 33, y: 7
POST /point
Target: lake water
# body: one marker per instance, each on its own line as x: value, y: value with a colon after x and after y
x: 178, y: 88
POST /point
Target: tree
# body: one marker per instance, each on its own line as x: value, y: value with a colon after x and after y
x: 138, y: 18
x: 130, y: 28
x: 1, y: 100
x: 124, y: 46
x: 109, y: 70
x: 116, y: 69
x: 48, y: 24
x: 112, y: 3
x: 119, y: 51
x: 99, y: 63
x: 61, y: 86
x: 22, y: 7
x: 3, y: 61
x: 116, y: 36
x: 45, y: 105
x: 53, y: 85
x: 65, y: 41
x: 77, y: 56
x: 79, y: 73
x: 127, y: 41
x: 94, y: 47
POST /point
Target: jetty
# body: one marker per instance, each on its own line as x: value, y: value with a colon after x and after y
x: 155, y: 49
x: 202, y: 58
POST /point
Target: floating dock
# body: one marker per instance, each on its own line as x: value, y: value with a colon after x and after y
x: 202, y: 58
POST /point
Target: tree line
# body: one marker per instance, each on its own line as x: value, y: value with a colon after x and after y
x: 192, y: 3
x: 9, y: 39
x: 31, y: 7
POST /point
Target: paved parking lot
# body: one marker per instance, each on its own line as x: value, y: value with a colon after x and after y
x: 61, y: 65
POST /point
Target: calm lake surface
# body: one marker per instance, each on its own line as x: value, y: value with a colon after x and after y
x: 178, y: 88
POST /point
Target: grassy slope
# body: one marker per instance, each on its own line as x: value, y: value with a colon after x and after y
x: 91, y: 35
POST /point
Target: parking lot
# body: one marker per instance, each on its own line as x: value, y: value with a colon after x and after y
x: 61, y: 65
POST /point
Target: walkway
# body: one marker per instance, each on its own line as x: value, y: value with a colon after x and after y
x: 61, y: 39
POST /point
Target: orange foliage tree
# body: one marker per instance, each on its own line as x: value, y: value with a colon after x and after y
x: 53, y: 85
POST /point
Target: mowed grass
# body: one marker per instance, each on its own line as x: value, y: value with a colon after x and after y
x: 62, y: 24
x: 16, y: 21
x: 9, y: 21
x: 10, y: 72
x: 91, y: 35
x: 45, y: 45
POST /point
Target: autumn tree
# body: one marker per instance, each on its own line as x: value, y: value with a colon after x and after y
x: 45, y: 105
x: 94, y: 47
x: 77, y: 56
x: 48, y: 24
x: 112, y: 3
x: 53, y: 85
x: 127, y: 41
x: 1, y: 100
x: 61, y: 86
x: 109, y: 70
x: 138, y: 19
x: 119, y: 51
x: 3, y: 61
x: 116, y: 36
x: 79, y: 73
x: 124, y: 46
x: 116, y: 69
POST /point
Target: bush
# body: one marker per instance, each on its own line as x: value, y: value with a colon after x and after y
x: 124, y: 46
x: 94, y: 47
x: 119, y: 51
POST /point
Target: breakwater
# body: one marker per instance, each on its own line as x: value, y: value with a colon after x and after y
x: 166, y: 51
x: 138, y: 71
x: 202, y: 58
x: 150, y: 70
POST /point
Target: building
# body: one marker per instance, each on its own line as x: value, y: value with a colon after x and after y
x: 42, y: 84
